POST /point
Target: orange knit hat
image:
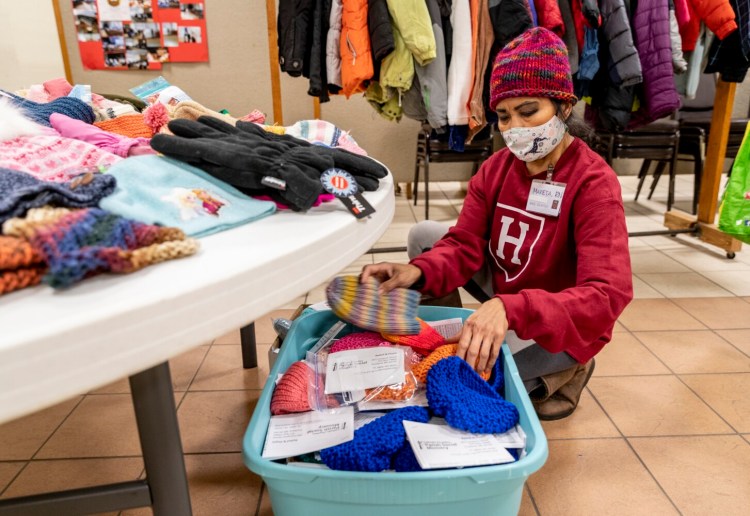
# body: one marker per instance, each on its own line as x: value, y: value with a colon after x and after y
x: 20, y: 265
x: 127, y: 125
x: 421, y: 369
x: 426, y: 341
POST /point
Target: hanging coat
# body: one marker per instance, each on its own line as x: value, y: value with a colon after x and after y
x: 397, y: 69
x: 318, y: 78
x: 485, y: 39
x: 623, y: 64
x: 333, y: 50
x: 678, y: 59
x: 461, y: 68
x: 294, y: 27
x: 413, y: 21
x: 659, y: 97
x: 718, y: 16
x: 356, y: 56
x: 550, y: 17
x: 433, y: 77
x: 381, y: 34
x: 569, y: 38
x: 731, y: 56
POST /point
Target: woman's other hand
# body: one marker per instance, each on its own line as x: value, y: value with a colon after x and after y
x: 391, y: 275
x: 482, y: 335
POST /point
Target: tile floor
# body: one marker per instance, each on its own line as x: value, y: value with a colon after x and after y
x: 663, y: 426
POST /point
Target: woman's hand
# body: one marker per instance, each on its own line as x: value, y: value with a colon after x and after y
x: 391, y: 275
x: 482, y: 335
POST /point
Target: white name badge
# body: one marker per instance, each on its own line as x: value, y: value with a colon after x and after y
x: 545, y: 197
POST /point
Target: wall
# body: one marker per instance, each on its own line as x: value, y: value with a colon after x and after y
x: 29, y: 47
x: 236, y: 78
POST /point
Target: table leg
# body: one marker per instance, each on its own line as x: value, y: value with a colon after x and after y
x: 153, y: 400
x: 249, y: 349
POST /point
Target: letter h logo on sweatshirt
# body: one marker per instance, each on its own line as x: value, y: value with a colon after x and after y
x: 514, y: 234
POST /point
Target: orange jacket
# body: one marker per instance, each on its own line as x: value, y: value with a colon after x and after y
x: 356, y: 57
x: 718, y: 16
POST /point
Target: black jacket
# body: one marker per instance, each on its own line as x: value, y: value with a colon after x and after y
x: 381, y: 32
x: 294, y: 26
x: 318, y: 74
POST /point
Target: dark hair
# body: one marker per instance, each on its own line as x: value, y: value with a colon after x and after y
x: 576, y: 126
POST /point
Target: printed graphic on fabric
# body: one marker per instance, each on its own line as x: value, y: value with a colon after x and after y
x: 194, y: 202
x: 514, y: 234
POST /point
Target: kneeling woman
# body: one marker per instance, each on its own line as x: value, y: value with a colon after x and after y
x: 542, y: 232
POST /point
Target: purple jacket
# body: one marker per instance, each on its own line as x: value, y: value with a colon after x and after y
x: 659, y: 97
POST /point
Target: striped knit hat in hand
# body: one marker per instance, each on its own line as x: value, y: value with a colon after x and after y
x: 375, y: 444
x: 77, y: 244
x: 535, y: 64
x: 360, y: 304
x: 456, y: 392
x: 290, y: 394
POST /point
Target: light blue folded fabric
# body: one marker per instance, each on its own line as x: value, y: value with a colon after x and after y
x: 160, y: 190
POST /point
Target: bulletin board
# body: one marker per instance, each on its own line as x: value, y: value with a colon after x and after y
x: 140, y: 34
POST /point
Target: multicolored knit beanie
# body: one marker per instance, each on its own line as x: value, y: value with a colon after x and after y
x: 77, y: 244
x: 456, y: 392
x: 360, y: 304
x: 425, y: 342
x: 20, y: 265
x: 290, y: 394
x: 19, y: 192
x: 535, y: 64
x: 375, y: 444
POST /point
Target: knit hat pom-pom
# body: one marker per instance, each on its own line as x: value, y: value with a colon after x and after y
x: 156, y: 116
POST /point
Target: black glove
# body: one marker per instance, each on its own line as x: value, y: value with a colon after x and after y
x: 230, y: 155
x: 365, y: 170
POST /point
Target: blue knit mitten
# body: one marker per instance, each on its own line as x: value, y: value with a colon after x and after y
x: 456, y: 392
x: 375, y: 443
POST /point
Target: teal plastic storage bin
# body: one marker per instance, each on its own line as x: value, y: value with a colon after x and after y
x: 296, y: 491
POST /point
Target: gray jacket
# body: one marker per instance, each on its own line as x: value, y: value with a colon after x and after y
x: 333, y: 53
x: 432, y: 78
x: 624, y: 65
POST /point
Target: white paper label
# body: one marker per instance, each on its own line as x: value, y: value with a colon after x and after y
x: 295, y: 434
x: 438, y: 446
x: 545, y: 197
x: 447, y: 327
x: 363, y: 369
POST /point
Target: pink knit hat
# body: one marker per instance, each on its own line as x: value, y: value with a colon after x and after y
x: 535, y: 64
x: 52, y: 158
x: 290, y: 394
x: 366, y: 339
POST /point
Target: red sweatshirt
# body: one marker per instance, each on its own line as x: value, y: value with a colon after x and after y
x: 563, y: 280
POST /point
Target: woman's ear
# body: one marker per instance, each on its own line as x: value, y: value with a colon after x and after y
x: 567, y: 110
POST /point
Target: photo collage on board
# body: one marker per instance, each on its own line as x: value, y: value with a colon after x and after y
x: 140, y: 34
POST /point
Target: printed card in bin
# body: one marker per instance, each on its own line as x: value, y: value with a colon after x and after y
x: 487, y: 490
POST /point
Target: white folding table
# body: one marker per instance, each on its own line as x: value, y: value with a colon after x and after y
x: 57, y: 344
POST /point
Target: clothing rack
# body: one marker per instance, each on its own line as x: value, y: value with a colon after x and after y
x: 703, y: 225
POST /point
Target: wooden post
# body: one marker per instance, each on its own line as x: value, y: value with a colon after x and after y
x: 717, y: 149
x: 316, y: 108
x: 273, y: 58
x: 61, y: 38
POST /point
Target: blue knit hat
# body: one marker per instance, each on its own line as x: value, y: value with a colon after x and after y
x: 40, y: 113
x: 456, y: 392
x: 374, y: 444
x: 19, y: 192
x: 405, y: 460
x: 160, y: 190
